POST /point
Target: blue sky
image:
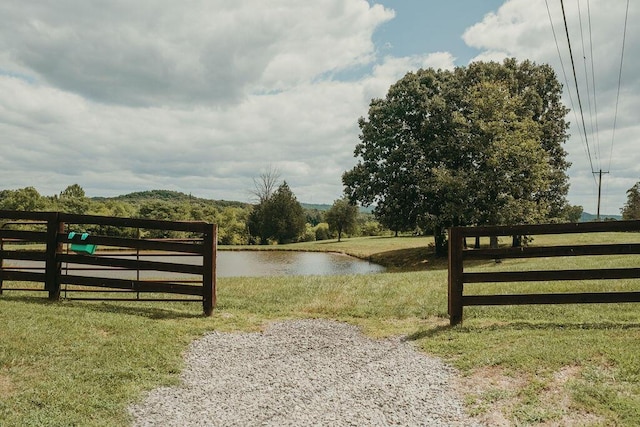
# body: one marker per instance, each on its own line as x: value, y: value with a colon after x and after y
x: 201, y: 96
x: 431, y: 26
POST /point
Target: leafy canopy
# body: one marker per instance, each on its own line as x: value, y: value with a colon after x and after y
x: 279, y: 217
x: 342, y: 217
x: 477, y: 145
x: 631, y: 209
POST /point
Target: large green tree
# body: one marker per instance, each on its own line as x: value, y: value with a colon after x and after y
x: 511, y: 170
x: 477, y: 145
x: 342, y: 217
x: 279, y: 217
x: 74, y: 200
x: 539, y: 96
x: 631, y: 209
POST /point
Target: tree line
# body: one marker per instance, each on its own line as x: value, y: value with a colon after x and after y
x: 284, y: 218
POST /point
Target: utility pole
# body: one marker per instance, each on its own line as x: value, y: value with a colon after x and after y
x: 599, y: 191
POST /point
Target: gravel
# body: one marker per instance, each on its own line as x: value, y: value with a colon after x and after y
x: 304, y: 373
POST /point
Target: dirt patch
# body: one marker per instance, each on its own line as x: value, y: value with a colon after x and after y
x: 7, y: 387
x: 494, y: 397
x: 102, y: 333
x: 490, y: 394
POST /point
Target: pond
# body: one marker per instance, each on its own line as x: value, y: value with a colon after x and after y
x: 286, y: 263
x: 234, y: 264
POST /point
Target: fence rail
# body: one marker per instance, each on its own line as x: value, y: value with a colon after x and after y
x: 458, y: 254
x: 36, y: 247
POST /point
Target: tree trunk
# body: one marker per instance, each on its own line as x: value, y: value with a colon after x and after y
x: 441, y: 242
x: 517, y: 241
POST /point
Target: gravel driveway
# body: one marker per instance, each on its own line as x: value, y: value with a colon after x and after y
x: 302, y: 373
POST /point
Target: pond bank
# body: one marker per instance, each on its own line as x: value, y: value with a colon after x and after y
x: 405, y: 253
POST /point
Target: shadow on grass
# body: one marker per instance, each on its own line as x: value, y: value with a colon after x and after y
x: 410, y: 259
x: 126, y: 307
x: 141, y: 311
x: 43, y: 300
x: 519, y: 326
x: 523, y: 326
x: 427, y: 333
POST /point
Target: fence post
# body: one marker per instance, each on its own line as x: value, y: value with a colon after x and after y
x: 52, y: 264
x: 1, y: 262
x: 455, y: 275
x: 210, y: 242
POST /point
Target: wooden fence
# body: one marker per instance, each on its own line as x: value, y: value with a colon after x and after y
x: 458, y: 254
x: 52, y: 248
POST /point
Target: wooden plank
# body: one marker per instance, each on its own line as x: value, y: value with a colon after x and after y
x: 196, y: 227
x: 26, y: 215
x: 22, y: 276
x: 114, y: 299
x: 134, y: 285
x: 563, y: 298
x: 536, y: 229
x: 23, y: 255
x: 551, y: 275
x: 142, y: 244
x: 24, y: 235
x: 99, y: 290
x: 1, y: 263
x: 131, y: 264
x: 552, y: 251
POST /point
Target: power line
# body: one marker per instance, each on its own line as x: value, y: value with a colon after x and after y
x: 593, y: 75
x: 615, y: 116
x: 564, y: 73
x: 575, y: 78
x: 583, y: 131
x: 586, y: 79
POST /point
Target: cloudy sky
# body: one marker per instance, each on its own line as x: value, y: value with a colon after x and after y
x: 201, y: 96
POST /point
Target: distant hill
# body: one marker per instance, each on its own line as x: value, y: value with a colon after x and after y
x: 139, y: 197
x: 169, y: 196
x: 324, y: 207
x: 315, y: 206
x: 587, y: 217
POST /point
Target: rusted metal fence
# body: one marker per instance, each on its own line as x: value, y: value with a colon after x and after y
x: 52, y: 248
x: 458, y: 254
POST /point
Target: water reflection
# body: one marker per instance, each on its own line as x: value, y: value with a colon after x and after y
x: 229, y: 264
x: 285, y: 263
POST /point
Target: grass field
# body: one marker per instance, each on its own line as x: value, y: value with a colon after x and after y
x: 82, y: 363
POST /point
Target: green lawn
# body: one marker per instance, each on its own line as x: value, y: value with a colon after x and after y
x: 82, y: 363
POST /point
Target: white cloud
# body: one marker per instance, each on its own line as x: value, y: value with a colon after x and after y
x: 211, y: 52
x: 196, y: 96
x: 308, y: 131
x: 201, y: 95
x: 522, y: 29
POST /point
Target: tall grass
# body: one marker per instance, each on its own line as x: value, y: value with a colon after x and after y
x: 83, y: 363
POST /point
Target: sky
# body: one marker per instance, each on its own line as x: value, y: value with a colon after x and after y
x: 202, y: 96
